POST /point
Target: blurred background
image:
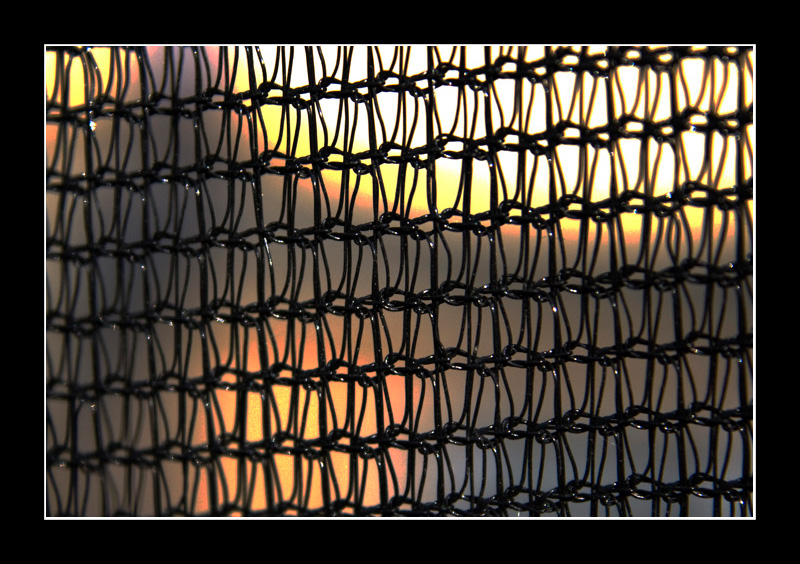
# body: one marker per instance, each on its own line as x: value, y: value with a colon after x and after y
x: 306, y: 281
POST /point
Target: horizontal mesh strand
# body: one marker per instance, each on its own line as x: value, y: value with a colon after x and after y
x: 399, y: 281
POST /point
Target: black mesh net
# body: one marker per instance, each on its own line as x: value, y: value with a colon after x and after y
x: 392, y: 281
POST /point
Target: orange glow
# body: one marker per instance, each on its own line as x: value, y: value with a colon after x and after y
x: 300, y: 416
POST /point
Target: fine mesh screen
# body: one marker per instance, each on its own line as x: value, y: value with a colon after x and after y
x: 393, y: 281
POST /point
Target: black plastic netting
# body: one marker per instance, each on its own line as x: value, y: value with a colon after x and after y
x: 394, y: 281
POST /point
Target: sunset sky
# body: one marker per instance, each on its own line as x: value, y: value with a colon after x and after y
x: 654, y: 167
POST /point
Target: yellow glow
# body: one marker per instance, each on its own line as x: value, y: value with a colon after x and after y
x: 645, y: 95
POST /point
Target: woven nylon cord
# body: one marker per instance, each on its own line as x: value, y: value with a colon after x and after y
x: 399, y: 281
